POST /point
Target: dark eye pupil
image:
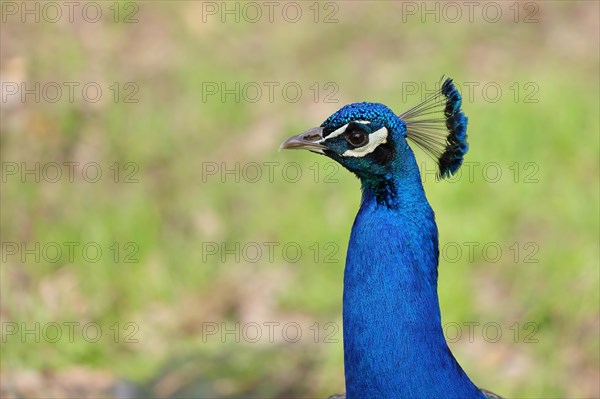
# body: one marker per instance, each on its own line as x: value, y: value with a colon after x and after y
x: 357, y: 138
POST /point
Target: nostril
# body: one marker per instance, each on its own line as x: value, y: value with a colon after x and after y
x: 312, y: 137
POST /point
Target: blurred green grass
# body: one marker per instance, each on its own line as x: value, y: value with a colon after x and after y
x: 173, y: 133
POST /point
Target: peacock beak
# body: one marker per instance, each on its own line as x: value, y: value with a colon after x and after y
x: 309, y: 140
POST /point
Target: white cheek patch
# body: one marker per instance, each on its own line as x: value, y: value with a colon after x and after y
x: 375, y: 139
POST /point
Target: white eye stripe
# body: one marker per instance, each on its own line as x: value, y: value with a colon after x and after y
x: 375, y: 139
x: 342, y: 129
x: 337, y: 132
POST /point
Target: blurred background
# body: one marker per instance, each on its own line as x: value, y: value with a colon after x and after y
x: 155, y: 243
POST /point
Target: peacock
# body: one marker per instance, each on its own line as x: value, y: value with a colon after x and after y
x: 394, y: 346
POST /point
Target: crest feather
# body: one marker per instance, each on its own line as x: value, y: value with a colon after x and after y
x: 439, y: 127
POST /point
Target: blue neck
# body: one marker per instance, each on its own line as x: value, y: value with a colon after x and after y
x: 394, y: 346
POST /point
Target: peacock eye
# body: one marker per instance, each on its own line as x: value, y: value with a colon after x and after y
x: 357, y: 138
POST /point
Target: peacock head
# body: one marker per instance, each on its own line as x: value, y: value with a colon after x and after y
x: 370, y: 140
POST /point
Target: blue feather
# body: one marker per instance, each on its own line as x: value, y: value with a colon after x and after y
x: 394, y: 346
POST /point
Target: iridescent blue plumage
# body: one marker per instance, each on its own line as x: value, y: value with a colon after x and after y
x: 456, y: 123
x: 394, y: 346
x: 375, y: 113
